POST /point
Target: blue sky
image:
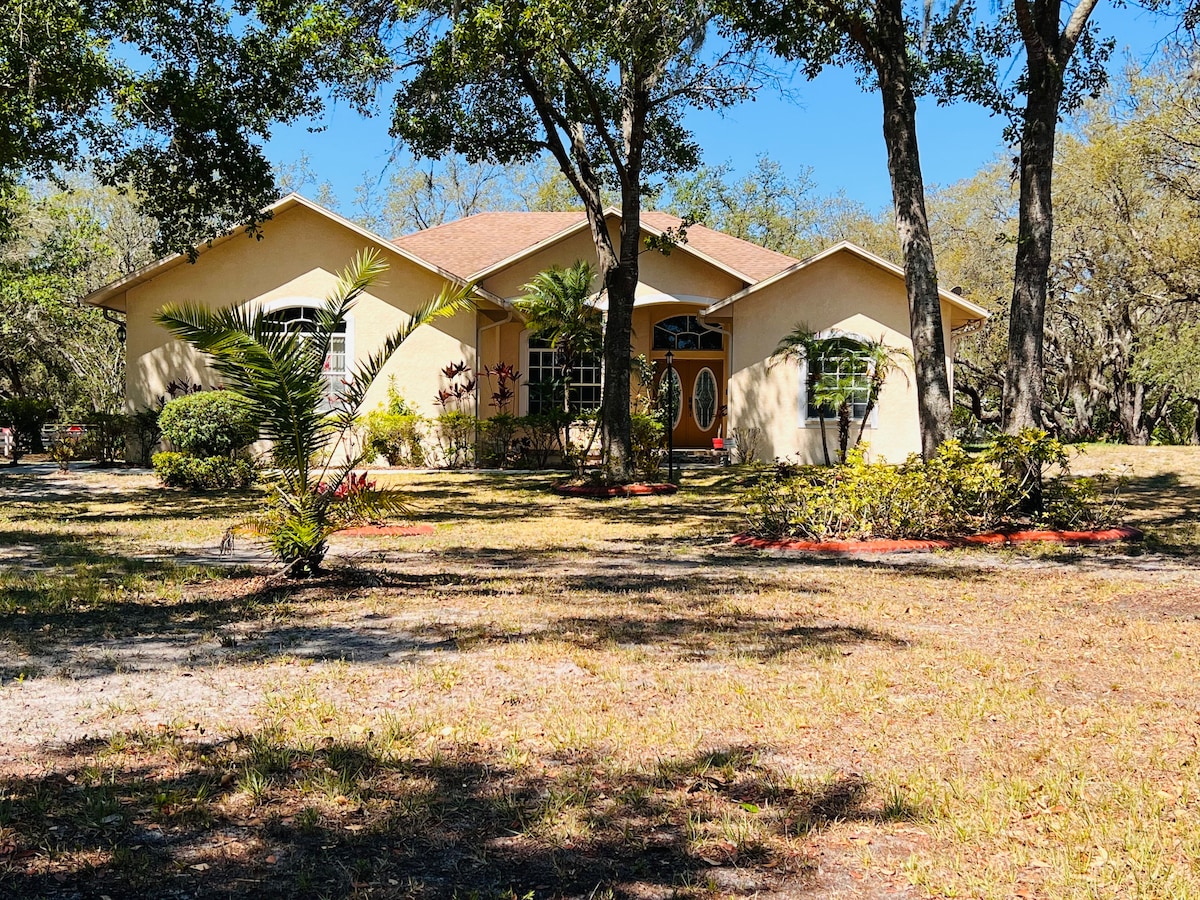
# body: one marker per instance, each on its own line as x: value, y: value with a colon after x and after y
x: 831, y: 125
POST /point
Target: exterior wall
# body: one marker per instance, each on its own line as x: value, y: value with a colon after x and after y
x: 302, y: 252
x: 841, y: 293
x: 299, y: 257
x: 509, y: 283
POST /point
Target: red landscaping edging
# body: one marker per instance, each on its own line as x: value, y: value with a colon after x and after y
x: 998, y: 538
x: 373, y: 530
x: 616, y: 490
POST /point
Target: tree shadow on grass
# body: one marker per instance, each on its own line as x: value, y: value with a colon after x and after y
x: 92, y: 622
x: 167, y: 815
x: 103, y: 612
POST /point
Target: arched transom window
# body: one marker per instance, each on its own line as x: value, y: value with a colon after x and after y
x: 685, y: 333
x: 302, y: 320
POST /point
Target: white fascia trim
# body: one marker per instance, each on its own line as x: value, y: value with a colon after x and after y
x: 99, y: 296
x: 866, y: 255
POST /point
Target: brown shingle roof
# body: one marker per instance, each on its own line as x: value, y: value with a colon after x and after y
x: 470, y: 245
x: 741, y: 256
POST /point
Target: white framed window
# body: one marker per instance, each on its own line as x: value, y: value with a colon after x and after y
x: 299, y: 315
x: 844, y: 364
x: 543, y: 380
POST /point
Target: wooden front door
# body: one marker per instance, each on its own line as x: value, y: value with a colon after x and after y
x: 701, y: 395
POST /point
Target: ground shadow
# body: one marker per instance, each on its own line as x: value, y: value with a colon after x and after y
x: 259, y: 817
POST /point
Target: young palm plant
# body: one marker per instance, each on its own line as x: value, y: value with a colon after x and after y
x: 839, y: 392
x: 559, y: 307
x: 882, y: 360
x: 282, y: 374
x: 803, y: 345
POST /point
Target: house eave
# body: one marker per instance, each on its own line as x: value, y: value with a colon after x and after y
x: 106, y: 296
x: 974, y: 312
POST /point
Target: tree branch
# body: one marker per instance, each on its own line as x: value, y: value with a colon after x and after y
x: 593, y: 103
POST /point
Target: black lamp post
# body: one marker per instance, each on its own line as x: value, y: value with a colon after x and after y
x: 670, y: 417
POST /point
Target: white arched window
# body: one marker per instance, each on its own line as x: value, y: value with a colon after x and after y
x: 299, y: 316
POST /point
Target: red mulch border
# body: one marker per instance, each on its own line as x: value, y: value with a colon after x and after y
x: 374, y: 530
x: 616, y: 490
x: 998, y: 538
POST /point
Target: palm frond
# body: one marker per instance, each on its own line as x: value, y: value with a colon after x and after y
x: 281, y: 373
x: 449, y: 302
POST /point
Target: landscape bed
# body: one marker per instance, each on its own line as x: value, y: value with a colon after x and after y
x: 991, y: 539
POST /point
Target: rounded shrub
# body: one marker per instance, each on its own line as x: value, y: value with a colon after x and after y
x: 212, y: 473
x: 211, y: 423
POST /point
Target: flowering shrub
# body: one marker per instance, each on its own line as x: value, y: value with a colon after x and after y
x: 354, y: 483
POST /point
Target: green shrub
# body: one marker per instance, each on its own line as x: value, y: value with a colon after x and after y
x: 106, y: 434
x: 211, y: 423
x: 496, y: 437
x: 211, y: 473
x: 144, y: 435
x: 456, y: 433
x: 648, y: 438
x: 65, y: 449
x: 398, y: 437
x: 540, y: 436
x: 1022, y: 480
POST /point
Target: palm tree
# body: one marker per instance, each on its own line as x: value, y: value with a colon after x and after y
x: 281, y: 373
x: 838, y: 392
x: 881, y: 361
x: 803, y: 345
x: 560, y: 308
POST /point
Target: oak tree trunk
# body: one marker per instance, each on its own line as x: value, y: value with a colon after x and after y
x: 1024, y: 381
x: 934, y: 402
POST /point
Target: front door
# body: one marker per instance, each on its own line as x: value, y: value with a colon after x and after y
x: 700, y: 394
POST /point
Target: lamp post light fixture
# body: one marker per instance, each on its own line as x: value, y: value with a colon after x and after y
x: 670, y: 417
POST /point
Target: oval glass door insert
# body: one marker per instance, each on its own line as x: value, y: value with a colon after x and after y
x: 676, y: 389
x: 704, y: 399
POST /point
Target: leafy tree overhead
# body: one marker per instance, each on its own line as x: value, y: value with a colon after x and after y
x: 767, y: 206
x: 601, y: 88
x: 432, y: 192
x: 1064, y: 58
x: 60, y: 245
x: 1117, y: 336
x: 777, y: 209
x: 173, y: 99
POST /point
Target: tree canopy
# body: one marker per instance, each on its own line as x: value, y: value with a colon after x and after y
x: 172, y: 99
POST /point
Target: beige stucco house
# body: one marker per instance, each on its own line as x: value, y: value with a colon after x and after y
x: 718, y: 303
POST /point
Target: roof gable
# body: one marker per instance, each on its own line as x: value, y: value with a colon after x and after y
x: 480, y: 245
x: 973, y: 312
x: 106, y: 296
x: 478, y: 242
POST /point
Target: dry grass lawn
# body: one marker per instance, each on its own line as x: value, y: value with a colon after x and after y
x: 556, y: 697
